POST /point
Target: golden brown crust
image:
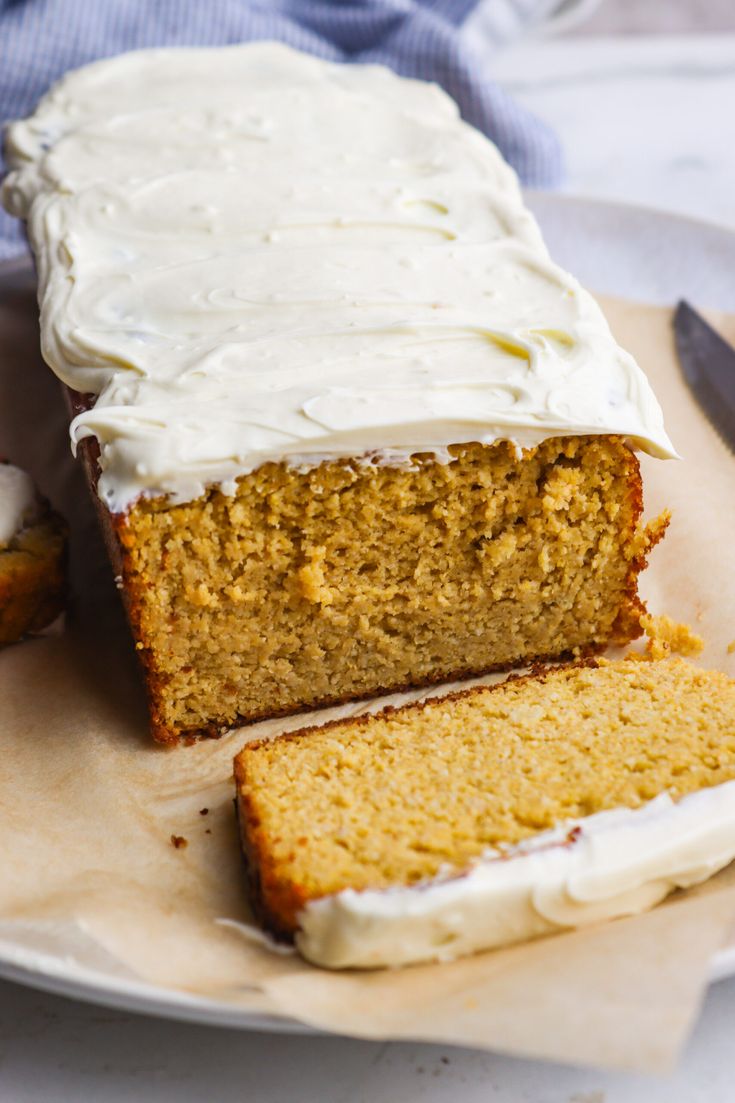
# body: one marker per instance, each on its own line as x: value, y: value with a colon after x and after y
x: 627, y: 626
x: 113, y: 526
x: 275, y: 903
x: 627, y: 623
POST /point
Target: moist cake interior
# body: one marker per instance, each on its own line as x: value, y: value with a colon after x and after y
x: 306, y: 588
x: 399, y: 798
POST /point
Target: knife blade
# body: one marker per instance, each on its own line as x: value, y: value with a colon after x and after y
x: 708, y: 364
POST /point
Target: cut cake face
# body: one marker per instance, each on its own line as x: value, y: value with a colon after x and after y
x: 305, y: 589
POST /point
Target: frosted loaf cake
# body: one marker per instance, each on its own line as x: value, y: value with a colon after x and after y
x: 351, y: 427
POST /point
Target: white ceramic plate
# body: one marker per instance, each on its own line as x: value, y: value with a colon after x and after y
x: 615, y: 249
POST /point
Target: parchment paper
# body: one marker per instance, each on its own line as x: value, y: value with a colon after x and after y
x: 88, y: 806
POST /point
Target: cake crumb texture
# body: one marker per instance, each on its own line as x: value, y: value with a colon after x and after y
x: 312, y: 587
x: 399, y: 797
x: 666, y: 636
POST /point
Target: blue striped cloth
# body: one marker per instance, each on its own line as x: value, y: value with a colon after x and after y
x: 41, y: 39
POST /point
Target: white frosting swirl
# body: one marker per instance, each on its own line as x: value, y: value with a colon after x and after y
x: 617, y: 863
x: 18, y: 502
x: 248, y: 254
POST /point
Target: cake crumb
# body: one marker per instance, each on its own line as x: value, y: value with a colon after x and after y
x: 666, y: 636
x: 203, y: 811
x: 312, y: 579
x: 731, y: 647
x: 648, y: 536
x: 179, y: 842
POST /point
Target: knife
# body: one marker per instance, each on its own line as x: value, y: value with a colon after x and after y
x: 708, y: 364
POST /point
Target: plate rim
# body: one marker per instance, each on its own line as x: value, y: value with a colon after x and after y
x: 47, y: 972
x: 540, y: 195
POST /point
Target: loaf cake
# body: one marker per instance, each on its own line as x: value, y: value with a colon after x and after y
x: 349, y: 427
x: 493, y: 815
x: 32, y: 558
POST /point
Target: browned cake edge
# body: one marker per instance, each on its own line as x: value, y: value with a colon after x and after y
x: 275, y: 902
x: 113, y: 525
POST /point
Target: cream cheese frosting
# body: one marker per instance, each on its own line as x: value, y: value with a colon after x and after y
x: 247, y: 254
x: 18, y: 502
x: 602, y: 867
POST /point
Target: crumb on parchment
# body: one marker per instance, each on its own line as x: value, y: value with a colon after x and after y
x: 667, y: 636
x: 179, y: 842
x: 731, y: 647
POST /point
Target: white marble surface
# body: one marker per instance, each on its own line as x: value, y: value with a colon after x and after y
x: 55, y: 1051
x: 644, y: 121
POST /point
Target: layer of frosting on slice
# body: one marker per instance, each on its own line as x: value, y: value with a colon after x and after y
x: 247, y: 254
x: 605, y: 866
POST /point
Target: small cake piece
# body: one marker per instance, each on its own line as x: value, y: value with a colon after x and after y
x: 490, y: 816
x: 666, y: 636
x: 32, y: 557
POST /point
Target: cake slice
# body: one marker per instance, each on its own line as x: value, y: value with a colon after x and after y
x: 490, y: 816
x: 32, y: 558
x: 349, y: 428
